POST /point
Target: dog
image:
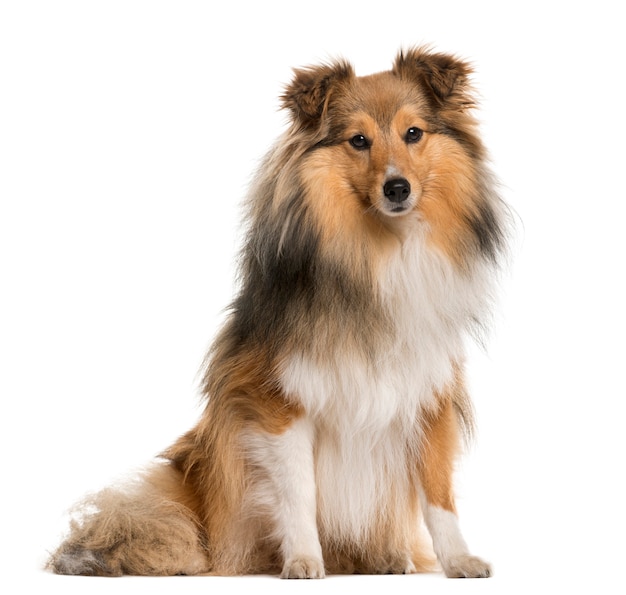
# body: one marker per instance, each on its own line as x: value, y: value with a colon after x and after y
x: 335, y: 395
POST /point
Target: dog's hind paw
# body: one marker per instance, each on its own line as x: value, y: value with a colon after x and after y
x: 467, y: 567
x: 304, y: 567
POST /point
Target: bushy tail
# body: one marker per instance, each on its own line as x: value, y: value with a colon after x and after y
x: 142, y: 528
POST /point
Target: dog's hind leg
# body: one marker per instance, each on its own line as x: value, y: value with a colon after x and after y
x: 139, y: 529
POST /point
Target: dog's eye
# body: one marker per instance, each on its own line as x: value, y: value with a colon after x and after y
x: 359, y: 142
x: 413, y: 134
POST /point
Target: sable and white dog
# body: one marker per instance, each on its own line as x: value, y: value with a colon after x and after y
x: 335, y: 397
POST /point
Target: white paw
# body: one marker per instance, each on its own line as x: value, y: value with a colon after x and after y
x: 466, y: 567
x: 303, y: 567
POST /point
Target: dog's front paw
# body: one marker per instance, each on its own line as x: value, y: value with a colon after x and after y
x: 467, y: 567
x: 303, y: 567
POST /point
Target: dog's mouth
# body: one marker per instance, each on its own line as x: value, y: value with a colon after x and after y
x: 395, y: 209
x: 387, y: 208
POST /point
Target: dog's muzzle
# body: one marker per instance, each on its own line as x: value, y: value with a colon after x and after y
x: 397, y: 191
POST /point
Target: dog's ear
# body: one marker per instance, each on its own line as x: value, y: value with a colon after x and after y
x: 308, y: 94
x: 444, y: 76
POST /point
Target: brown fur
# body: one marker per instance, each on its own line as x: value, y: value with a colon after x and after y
x: 146, y: 528
x: 212, y: 461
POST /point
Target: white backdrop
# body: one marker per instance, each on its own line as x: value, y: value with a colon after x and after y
x: 128, y: 133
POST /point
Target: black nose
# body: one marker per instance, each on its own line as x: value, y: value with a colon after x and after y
x: 397, y: 190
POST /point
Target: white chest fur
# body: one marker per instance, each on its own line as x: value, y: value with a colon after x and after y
x: 365, y: 409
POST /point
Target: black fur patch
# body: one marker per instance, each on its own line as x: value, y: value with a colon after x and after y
x: 278, y: 275
x: 487, y: 231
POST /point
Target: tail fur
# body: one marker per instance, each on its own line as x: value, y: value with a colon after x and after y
x: 142, y: 528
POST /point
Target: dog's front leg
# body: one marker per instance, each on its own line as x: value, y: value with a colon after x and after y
x: 435, y: 470
x: 288, y: 485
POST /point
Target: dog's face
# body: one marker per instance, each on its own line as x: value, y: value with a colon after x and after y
x: 379, y: 135
x: 398, y: 146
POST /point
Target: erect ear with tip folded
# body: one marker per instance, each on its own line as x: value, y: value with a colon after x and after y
x: 308, y: 93
x: 444, y: 75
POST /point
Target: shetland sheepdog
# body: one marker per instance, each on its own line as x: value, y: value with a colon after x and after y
x: 335, y: 393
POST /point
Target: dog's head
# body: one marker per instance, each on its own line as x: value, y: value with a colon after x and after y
x: 400, y: 146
